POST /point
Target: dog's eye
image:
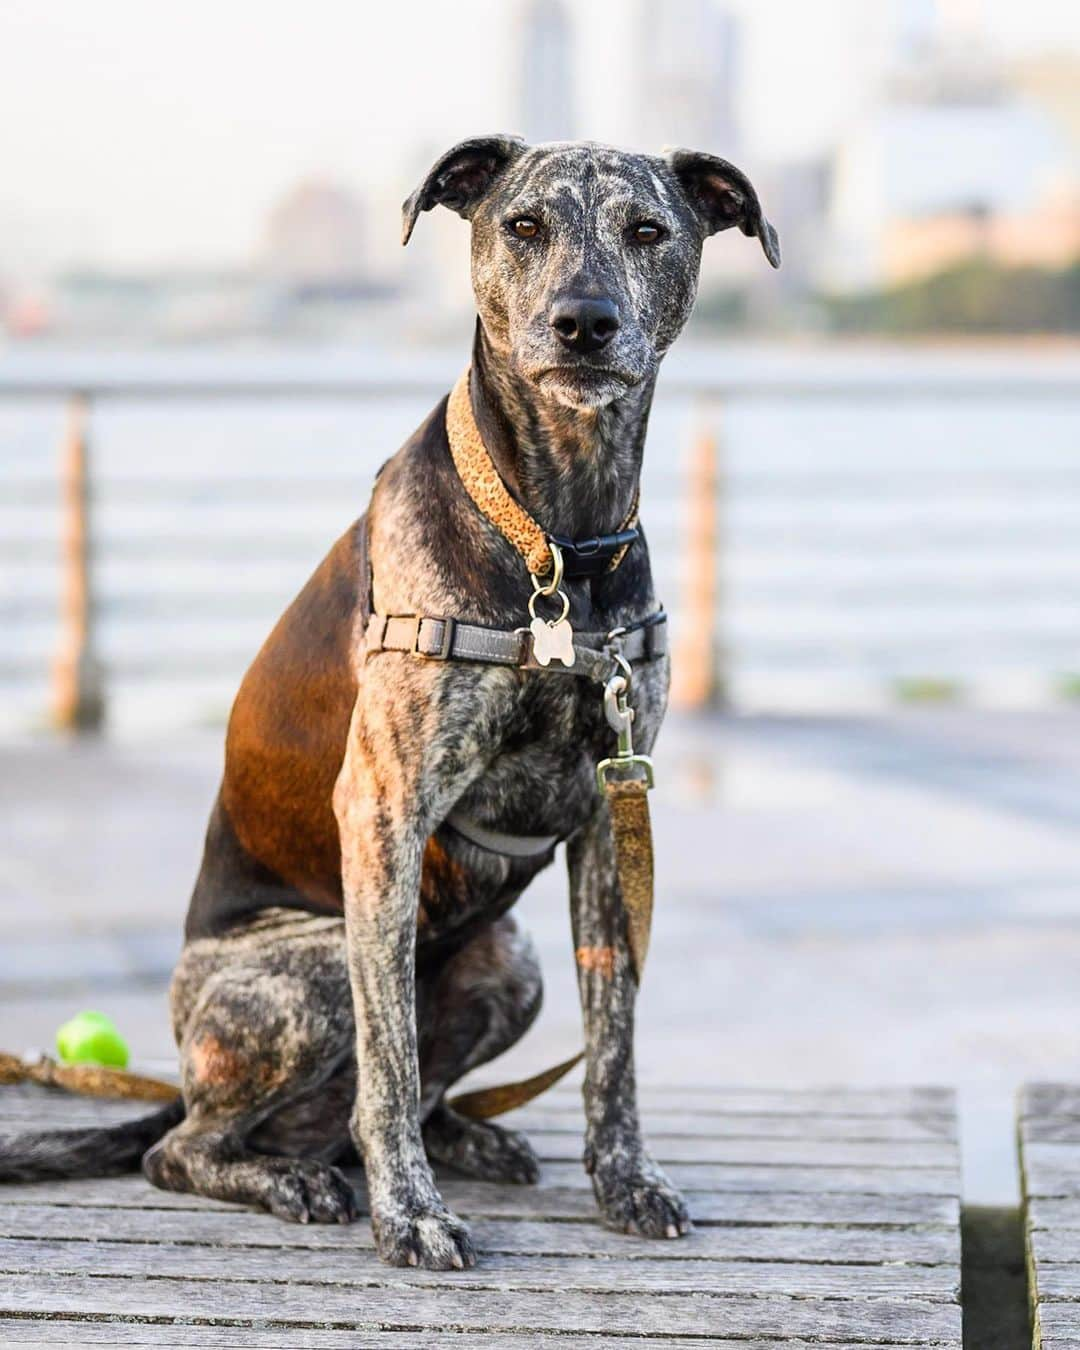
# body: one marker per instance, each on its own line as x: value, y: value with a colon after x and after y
x: 525, y: 227
x: 646, y: 232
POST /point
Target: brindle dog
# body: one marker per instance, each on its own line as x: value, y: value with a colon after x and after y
x: 346, y: 948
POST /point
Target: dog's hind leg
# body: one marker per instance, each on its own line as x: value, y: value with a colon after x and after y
x: 261, y: 1024
x: 478, y: 1004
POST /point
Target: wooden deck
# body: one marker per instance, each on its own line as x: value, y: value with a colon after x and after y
x: 829, y: 1217
x: 1050, y: 1163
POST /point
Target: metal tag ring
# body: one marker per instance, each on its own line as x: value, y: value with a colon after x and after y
x: 561, y: 595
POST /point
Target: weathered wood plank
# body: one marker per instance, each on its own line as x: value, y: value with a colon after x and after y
x: 1058, y: 1245
x: 899, y: 1322
x: 932, y: 1104
x: 870, y: 1101
x: 1053, y: 1214
x: 1059, y: 1282
x: 739, y: 1241
x: 67, y: 1111
x: 474, y: 1198
x: 828, y: 1217
x: 29, y: 1332
x: 661, y: 1122
x: 868, y: 1180
x: 704, y: 1143
x: 868, y: 1167
x: 1050, y: 1178
x: 1038, y: 1101
x: 1053, y: 1129
x: 675, y: 1150
x: 495, y: 1271
x: 1056, y: 1325
x: 1052, y: 1171
x: 710, y: 1178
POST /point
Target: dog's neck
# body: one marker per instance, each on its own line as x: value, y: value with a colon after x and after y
x: 575, y: 471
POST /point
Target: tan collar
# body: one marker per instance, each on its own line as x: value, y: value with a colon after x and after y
x: 482, y: 482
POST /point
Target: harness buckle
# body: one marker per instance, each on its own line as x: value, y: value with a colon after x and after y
x: 376, y: 634
x: 442, y: 652
x: 592, y: 557
x: 449, y: 628
x: 619, y: 762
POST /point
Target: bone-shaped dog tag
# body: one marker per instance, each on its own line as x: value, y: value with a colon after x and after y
x: 552, y: 641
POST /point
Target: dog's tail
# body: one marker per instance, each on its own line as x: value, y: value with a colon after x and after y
x: 98, y: 1151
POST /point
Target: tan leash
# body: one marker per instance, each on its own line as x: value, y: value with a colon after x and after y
x: 89, y: 1080
x: 632, y: 833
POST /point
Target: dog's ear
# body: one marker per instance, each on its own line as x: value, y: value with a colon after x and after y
x: 723, y: 196
x: 461, y: 177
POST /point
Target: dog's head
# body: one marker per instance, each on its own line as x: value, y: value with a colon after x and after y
x: 585, y: 258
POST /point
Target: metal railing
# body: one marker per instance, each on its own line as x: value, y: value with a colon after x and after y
x: 79, y: 688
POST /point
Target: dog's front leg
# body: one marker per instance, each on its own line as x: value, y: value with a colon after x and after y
x: 383, y: 808
x: 633, y: 1193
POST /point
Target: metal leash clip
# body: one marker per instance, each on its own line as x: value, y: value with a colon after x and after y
x: 620, y: 717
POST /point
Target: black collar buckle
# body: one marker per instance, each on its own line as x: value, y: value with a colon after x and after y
x: 592, y: 557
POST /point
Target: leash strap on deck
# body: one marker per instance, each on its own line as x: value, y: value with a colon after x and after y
x: 89, y: 1080
x: 487, y: 1102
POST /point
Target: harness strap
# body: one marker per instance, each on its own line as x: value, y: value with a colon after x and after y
x: 452, y: 640
x: 498, y: 841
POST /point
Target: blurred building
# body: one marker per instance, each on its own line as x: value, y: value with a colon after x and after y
x: 685, y: 72
x: 1052, y: 82
x: 687, y: 57
x: 796, y: 194
x: 955, y: 162
x: 315, y: 234
x: 545, y: 40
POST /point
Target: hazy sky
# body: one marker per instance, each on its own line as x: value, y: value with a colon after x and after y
x: 137, y: 132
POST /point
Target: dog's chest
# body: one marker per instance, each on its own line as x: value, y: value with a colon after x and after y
x: 542, y: 779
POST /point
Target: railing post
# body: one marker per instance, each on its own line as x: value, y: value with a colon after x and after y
x: 78, y: 698
x: 700, y: 668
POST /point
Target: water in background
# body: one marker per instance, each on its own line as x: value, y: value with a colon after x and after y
x: 870, y: 544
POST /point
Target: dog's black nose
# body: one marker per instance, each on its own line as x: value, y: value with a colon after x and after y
x: 584, y: 325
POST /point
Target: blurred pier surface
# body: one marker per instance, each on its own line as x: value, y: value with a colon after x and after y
x: 869, y: 901
x: 882, y: 524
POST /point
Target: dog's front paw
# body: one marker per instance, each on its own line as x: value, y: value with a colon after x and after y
x: 426, y: 1236
x: 638, y: 1198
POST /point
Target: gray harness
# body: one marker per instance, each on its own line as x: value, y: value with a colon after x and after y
x: 595, y: 655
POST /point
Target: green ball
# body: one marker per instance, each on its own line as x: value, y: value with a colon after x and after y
x: 92, y: 1038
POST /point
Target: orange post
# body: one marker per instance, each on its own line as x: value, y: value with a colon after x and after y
x: 699, y: 668
x: 78, y: 702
